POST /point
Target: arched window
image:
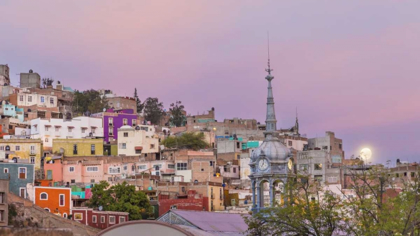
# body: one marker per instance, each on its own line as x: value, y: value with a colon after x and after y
x: 46, y: 209
x: 7, y: 148
x: 44, y: 196
x: 65, y: 215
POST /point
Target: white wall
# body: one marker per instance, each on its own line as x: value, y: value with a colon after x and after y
x: 36, y: 99
x: 47, y: 130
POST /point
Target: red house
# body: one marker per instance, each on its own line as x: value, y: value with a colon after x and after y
x: 98, y: 219
x: 193, y: 202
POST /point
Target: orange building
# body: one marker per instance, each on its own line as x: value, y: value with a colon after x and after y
x: 54, y: 199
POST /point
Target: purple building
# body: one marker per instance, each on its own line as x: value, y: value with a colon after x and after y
x: 113, y: 120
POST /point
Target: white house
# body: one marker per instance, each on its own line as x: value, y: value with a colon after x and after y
x: 78, y: 127
x: 29, y: 99
x: 137, y: 140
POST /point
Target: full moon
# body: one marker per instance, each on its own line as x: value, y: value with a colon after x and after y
x: 366, y: 154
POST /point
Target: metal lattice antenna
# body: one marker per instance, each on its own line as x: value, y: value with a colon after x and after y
x: 268, y: 49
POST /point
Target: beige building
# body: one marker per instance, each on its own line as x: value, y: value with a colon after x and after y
x: 196, y: 166
x: 29, y: 150
x: 134, y: 141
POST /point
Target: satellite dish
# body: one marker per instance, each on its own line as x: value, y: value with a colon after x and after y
x: 104, y: 109
x: 100, y: 208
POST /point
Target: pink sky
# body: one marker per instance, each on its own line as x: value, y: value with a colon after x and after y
x: 351, y: 67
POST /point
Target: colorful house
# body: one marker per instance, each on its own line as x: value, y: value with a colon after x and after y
x: 23, y: 149
x: 20, y: 175
x: 56, y: 200
x: 78, y: 147
x: 115, y: 119
x: 53, y: 168
x: 99, y: 219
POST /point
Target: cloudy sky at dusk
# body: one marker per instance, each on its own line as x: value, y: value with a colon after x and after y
x: 352, y: 67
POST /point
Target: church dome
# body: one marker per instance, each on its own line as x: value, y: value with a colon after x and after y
x: 273, y: 149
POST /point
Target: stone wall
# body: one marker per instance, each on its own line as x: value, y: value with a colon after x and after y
x: 25, y: 214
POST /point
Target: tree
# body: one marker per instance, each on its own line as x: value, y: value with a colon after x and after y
x: 121, y: 197
x: 153, y: 110
x: 193, y: 141
x: 139, y: 105
x: 47, y: 82
x: 177, y: 114
x: 89, y: 101
x: 371, y: 205
x: 307, y: 211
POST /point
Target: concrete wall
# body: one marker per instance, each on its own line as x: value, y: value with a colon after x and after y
x: 30, y: 80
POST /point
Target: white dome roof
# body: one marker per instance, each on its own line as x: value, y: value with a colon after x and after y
x: 126, y: 127
x: 273, y: 149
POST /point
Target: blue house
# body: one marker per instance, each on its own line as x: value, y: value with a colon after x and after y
x: 19, y: 174
x: 10, y: 110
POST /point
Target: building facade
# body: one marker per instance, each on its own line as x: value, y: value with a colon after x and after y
x: 4, y: 206
x: 115, y: 119
x: 20, y: 174
x: 82, y: 147
x: 136, y: 140
x: 80, y: 127
x: 20, y: 150
x: 98, y: 219
x: 56, y: 200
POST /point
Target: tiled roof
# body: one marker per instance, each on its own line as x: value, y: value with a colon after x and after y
x: 214, y: 221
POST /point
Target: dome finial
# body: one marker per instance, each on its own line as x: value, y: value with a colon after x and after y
x: 268, y: 49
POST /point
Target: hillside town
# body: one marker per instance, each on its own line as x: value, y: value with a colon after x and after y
x: 63, y: 152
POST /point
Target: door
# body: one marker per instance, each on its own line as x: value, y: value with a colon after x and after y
x: 49, y: 174
x: 22, y: 193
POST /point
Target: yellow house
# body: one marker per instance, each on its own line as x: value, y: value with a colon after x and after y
x: 214, y: 191
x: 78, y: 147
x: 23, y: 149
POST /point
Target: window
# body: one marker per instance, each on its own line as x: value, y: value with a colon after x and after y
x: 52, y: 101
x: 46, y: 140
x: 29, y: 98
x: 92, y: 149
x: 65, y: 215
x: 171, y: 166
x: 318, y: 178
x: 133, y: 122
x: 62, y: 200
x: 92, y: 181
x: 22, y: 192
x: 102, y: 219
x: 75, y: 149
x: 340, y: 146
x: 43, y: 196
x: 78, y: 216
x: 234, y: 169
x: 122, y: 219
x: 123, y: 145
x: 125, y: 134
x: 142, y: 167
x: 304, y: 167
x: 47, y: 128
x: 290, y: 143
x: 332, y: 179
x: 112, y: 219
x: 70, y: 129
x: 94, y: 219
x: 125, y: 167
x: 22, y: 172
x: 92, y: 169
x: 2, y: 216
x: 114, y: 170
x: 2, y: 198
x: 324, y: 147
x: 124, y: 121
x: 47, y: 210
x: 238, y: 145
x: 17, y: 148
x: 57, y: 129
x: 6, y: 170
x: 211, y: 163
x: 93, y: 130
x: 412, y: 174
x: 42, y: 99
x: 32, y: 160
x: 73, y: 181
x: 21, y: 98
x: 318, y: 166
x: 181, y: 166
x: 110, y: 120
x: 152, y: 146
x: 71, y: 169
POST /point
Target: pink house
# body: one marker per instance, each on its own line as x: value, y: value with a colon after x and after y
x: 53, y: 169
